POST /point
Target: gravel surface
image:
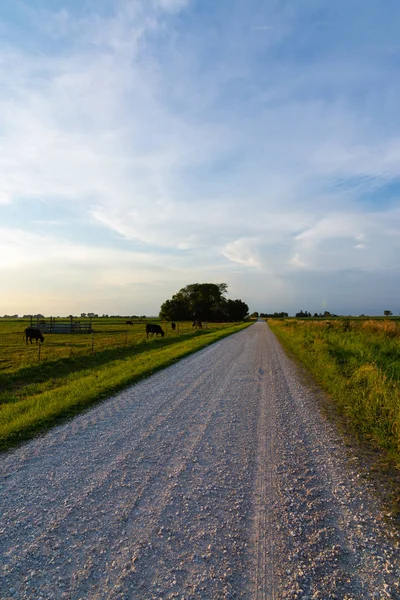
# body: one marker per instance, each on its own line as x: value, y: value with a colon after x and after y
x: 217, y: 478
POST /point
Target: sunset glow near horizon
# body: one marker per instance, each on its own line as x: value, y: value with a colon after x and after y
x: 149, y: 144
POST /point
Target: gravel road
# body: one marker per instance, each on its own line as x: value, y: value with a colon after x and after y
x: 215, y: 479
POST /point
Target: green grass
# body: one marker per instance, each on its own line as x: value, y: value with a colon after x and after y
x: 69, y: 378
x: 108, y: 333
x: 358, y: 363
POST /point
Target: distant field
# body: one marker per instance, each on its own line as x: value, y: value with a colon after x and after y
x: 77, y: 370
x: 358, y: 362
x: 108, y: 334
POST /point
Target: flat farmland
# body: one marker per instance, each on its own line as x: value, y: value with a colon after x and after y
x: 108, y: 334
x: 42, y: 384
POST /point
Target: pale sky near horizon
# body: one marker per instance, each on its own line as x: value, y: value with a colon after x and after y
x: 149, y: 144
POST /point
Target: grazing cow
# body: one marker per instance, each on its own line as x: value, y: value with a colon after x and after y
x: 129, y: 323
x: 154, y: 329
x: 197, y: 324
x: 173, y: 325
x: 33, y: 334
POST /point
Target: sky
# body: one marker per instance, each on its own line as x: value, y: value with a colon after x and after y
x: 149, y: 144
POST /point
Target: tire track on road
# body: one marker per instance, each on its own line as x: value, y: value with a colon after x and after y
x: 72, y: 504
x: 265, y: 519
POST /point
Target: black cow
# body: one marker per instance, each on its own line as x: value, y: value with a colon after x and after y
x: 129, y: 323
x: 173, y: 325
x: 33, y: 334
x: 197, y: 324
x: 157, y: 329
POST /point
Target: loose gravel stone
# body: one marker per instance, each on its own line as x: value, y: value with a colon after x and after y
x: 217, y: 478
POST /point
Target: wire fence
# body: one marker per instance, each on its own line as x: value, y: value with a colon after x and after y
x: 17, y: 352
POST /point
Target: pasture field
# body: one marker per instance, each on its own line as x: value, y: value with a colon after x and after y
x: 357, y: 361
x: 108, y: 333
x: 42, y: 384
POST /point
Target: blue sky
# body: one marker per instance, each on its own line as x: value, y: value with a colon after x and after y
x: 149, y: 144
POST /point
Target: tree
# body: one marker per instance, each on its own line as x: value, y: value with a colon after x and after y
x: 275, y: 315
x: 387, y: 313
x: 203, y: 302
x: 176, y: 309
x: 237, y: 310
x: 206, y: 300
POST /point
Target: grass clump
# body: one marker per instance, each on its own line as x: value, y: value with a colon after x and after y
x: 358, y: 363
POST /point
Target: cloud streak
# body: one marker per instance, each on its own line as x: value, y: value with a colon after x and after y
x: 196, y: 146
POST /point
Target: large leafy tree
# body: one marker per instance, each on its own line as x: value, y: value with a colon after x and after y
x: 237, y: 310
x: 176, y: 309
x: 203, y: 302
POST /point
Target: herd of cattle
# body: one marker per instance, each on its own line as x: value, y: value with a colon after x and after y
x: 34, y: 333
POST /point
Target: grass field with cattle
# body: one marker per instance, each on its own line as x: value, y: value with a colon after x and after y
x: 42, y: 384
x: 108, y: 333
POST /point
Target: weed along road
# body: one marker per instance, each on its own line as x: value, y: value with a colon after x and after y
x: 214, y: 479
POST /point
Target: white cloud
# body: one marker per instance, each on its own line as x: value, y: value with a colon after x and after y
x: 5, y: 198
x: 20, y: 249
x: 176, y: 140
x: 345, y: 225
x: 333, y: 243
x: 243, y: 252
x: 296, y: 261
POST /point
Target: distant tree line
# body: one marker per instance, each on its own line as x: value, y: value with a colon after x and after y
x: 203, y: 302
x: 303, y: 314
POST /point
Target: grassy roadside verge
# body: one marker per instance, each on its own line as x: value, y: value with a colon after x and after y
x: 44, y: 396
x: 358, y: 365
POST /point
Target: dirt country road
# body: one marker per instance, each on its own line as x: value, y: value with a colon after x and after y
x: 215, y: 479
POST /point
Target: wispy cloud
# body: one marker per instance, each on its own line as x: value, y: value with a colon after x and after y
x: 243, y: 252
x: 296, y: 261
x: 191, y: 141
